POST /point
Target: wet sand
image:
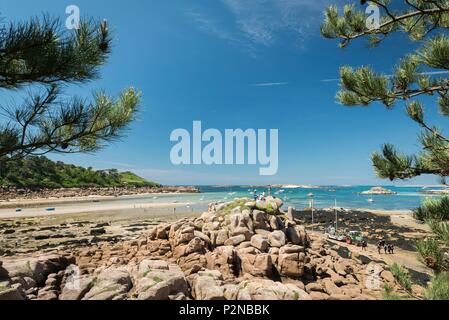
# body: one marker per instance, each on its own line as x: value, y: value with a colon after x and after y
x: 89, y: 208
x: 30, y: 203
x: 397, y: 227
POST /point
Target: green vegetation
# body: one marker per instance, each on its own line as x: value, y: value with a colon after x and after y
x: 402, y: 276
x: 433, y: 209
x: 296, y: 295
x: 237, y: 203
x: 431, y: 254
x: 131, y: 179
x: 416, y: 75
x: 388, y: 293
x: 439, y: 288
x: 41, y: 172
x: 440, y: 229
x: 435, y: 212
x: 39, y: 59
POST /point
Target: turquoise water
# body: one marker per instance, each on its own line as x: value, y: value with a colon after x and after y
x: 347, y: 197
x: 324, y: 197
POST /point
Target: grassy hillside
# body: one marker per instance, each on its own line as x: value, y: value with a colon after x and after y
x: 41, y: 172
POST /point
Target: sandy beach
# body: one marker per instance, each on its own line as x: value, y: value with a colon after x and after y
x: 67, y: 208
x: 25, y: 203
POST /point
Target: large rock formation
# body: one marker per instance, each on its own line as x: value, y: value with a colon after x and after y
x: 240, y: 250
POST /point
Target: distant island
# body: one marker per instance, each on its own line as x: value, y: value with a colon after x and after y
x: 378, y: 191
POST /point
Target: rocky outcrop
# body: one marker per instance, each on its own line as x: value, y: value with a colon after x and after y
x: 243, y: 250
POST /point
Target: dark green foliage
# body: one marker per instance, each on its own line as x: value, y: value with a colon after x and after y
x: 43, y: 57
x: 402, y: 276
x: 433, y: 209
x: 40, y: 172
x: 439, y: 287
x: 420, y: 73
x: 435, y: 212
x: 431, y: 253
x: 440, y: 229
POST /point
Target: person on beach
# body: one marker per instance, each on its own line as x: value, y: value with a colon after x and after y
x: 364, y: 245
x: 391, y: 249
x: 380, y: 244
x: 386, y: 246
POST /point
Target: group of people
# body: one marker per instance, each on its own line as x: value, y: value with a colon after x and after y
x: 387, y: 247
x: 261, y: 196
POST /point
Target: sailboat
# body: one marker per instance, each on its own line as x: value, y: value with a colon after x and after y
x: 332, y: 232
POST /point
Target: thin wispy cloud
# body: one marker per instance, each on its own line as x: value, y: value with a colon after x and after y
x: 270, y: 84
x: 263, y: 23
x: 212, y: 26
x: 430, y: 73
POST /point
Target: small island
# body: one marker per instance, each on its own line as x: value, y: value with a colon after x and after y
x: 378, y: 191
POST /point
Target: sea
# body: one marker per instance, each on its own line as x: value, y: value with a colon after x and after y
x: 406, y: 197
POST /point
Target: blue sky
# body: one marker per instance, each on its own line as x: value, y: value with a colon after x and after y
x: 238, y: 64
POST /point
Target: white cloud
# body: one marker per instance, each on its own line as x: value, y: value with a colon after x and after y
x: 212, y: 26
x: 262, y: 22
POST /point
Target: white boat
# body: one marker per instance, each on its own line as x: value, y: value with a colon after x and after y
x: 370, y: 200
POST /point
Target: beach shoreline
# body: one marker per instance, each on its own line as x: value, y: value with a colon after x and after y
x: 29, y: 203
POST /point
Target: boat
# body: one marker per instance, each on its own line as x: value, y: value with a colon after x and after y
x: 336, y: 237
x: 354, y: 237
x: 310, y: 195
x: 370, y: 200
